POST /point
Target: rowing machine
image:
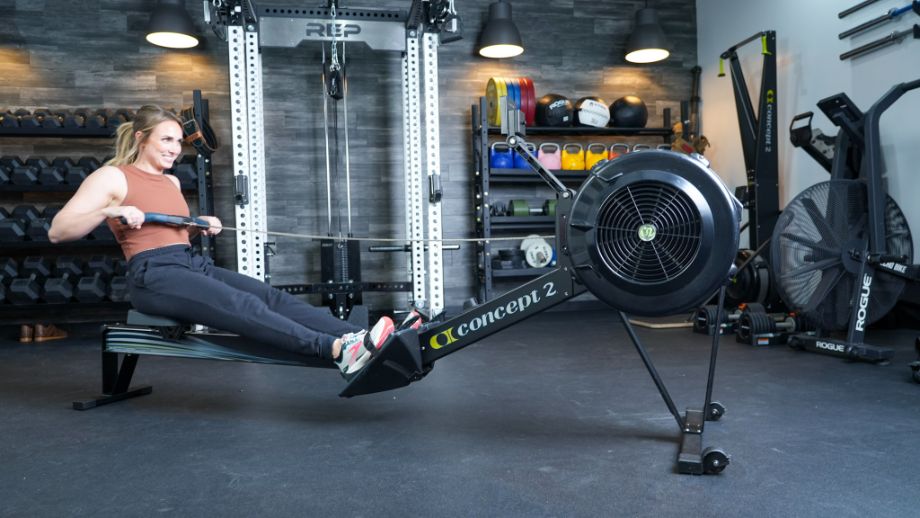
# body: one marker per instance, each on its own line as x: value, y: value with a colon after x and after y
x: 651, y: 234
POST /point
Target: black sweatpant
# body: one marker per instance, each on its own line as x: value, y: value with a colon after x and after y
x: 172, y: 282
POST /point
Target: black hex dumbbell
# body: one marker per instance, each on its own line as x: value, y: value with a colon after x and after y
x: 38, y: 229
x: 14, y: 226
x: 60, y: 288
x: 27, y: 288
x: 26, y: 120
x: 92, y: 287
x: 8, y: 120
x: 118, y: 289
x: 50, y: 174
x: 74, y: 174
x: 9, y: 269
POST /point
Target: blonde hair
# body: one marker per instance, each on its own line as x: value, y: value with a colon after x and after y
x: 146, y: 118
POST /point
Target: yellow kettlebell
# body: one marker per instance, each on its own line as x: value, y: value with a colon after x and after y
x: 595, y: 152
x: 573, y: 157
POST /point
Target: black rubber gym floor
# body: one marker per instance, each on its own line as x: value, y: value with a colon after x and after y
x: 553, y: 417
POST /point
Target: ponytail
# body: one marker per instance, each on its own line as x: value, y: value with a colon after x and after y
x: 127, y: 146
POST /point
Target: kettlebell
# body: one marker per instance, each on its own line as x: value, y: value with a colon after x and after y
x: 500, y: 159
x: 573, y: 157
x: 519, y: 162
x: 617, y: 150
x: 641, y: 147
x: 594, y: 154
x: 550, y: 159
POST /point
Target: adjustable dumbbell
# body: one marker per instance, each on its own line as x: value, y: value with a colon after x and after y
x: 770, y: 329
x: 27, y: 288
x: 595, y: 153
x: 705, y: 318
x: 573, y: 157
x: 92, y: 287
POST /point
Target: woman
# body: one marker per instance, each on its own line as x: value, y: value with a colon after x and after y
x: 165, y: 278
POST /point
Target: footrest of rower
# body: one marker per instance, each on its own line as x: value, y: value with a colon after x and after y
x: 396, y: 364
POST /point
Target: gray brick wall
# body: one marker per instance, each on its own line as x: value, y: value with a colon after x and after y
x: 69, y: 54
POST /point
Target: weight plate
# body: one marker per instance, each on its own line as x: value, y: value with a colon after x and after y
x: 531, y: 112
x: 502, y: 92
x: 519, y: 208
x: 538, y: 255
x: 492, y: 102
x: 549, y: 207
x: 530, y: 240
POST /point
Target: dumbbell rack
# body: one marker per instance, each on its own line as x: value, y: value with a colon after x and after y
x: 488, y: 226
x: 10, y: 194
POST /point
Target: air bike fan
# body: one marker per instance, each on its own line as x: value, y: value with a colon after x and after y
x: 842, y: 251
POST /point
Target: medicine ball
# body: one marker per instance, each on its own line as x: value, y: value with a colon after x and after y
x: 554, y: 110
x: 628, y: 112
x: 591, y: 111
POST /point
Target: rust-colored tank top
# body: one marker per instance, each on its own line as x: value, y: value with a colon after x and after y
x: 150, y: 193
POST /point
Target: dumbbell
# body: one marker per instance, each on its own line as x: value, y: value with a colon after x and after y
x: 89, y: 164
x: 498, y: 209
x: 595, y: 152
x: 91, y: 119
x: 8, y: 120
x: 8, y: 271
x: 38, y: 228
x: 60, y: 288
x: 769, y: 329
x: 50, y: 174
x: 186, y: 171
x: 6, y: 173
x: 27, y: 288
x: 705, y: 318
x: 522, y: 208
x: 22, y: 173
x: 92, y: 287
x: 118, y: 289
x: 50, y: 211
x: 30, y: 173
x: 26, y: 120
x: 14, y: 226
x: 118, y: 117
x: 550, y: 155
x: 500, y: 156
x: 509, y: 259
x: 47, y: 119
x: 70, y: 120
x: 538, y: 253
x: 73, y: 173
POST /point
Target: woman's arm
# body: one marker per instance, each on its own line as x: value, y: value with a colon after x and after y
x: 95, y: 200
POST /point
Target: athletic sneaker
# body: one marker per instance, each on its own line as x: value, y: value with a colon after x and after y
x: 358, y: 348
x: 412, y: 321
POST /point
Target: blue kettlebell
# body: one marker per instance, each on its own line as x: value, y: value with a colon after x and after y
x: 519, y: 162
x: 500, y: 159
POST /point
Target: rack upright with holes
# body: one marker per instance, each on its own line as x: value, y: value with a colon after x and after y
x: 12, y: 194
x: 486, y: 179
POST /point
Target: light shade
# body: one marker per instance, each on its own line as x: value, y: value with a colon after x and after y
x: 647, y: 43
x: 170, y: 26
x: 500, y: 37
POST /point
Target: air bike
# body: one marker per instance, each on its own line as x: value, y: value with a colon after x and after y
x: 651, y: 233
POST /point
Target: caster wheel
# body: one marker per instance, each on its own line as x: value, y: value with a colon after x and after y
x: 714, y: 461
x: 716, y: 411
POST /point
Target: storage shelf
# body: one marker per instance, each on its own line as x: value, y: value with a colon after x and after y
x: 19, y: 246
x: 523, y: 222
x: 530, y: 176
x: 57, y: 132
x: 68, y: 313
x: 581, y: 130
